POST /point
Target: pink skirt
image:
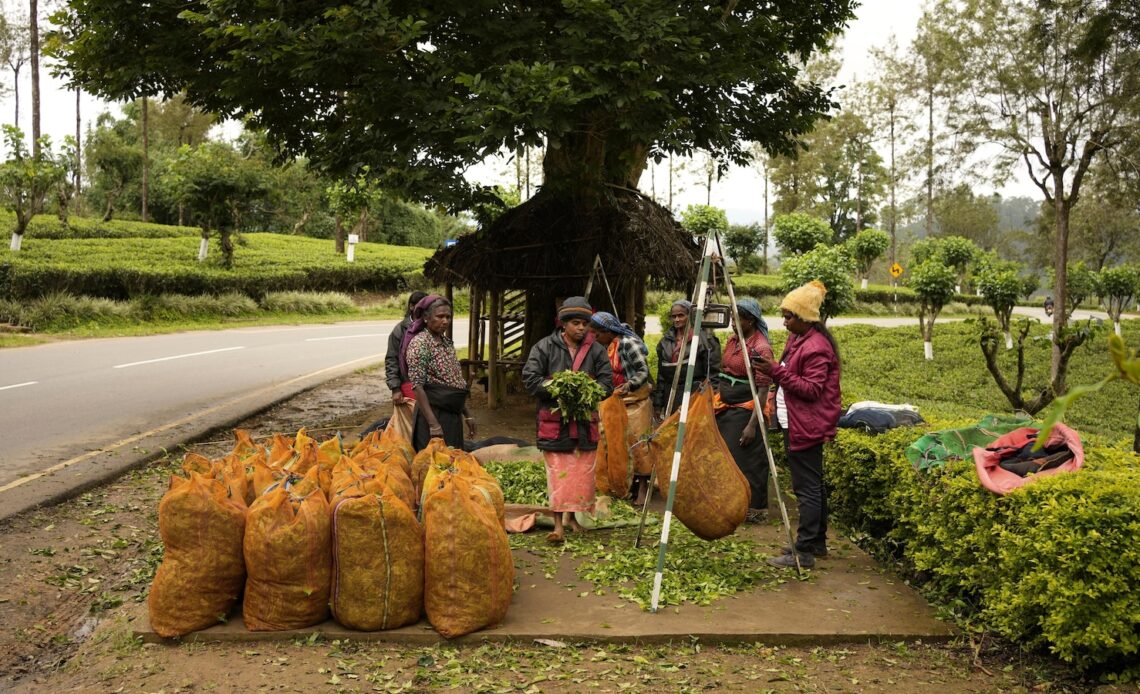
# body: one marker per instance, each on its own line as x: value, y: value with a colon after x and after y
x: 570, y: 480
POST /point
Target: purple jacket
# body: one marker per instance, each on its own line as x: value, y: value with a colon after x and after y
x: 810, y: 379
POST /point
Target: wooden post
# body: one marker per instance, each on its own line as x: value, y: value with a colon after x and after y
x: 496, y: 393
x: 449, y: 294
x: 474, y: 329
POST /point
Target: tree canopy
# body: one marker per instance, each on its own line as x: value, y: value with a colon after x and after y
x: 418, y: 91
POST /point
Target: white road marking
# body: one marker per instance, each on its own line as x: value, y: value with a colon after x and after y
x: 185, y: 420
x: 177, y: 356
x: 344, y: 337
x: 19, y: 385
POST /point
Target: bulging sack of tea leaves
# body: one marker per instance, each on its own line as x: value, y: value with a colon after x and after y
x: 378, y: 563
x: 712, y: 494
x: 468, y: 569
x: 288, y: 554
x: 454, y: 461
x: 612, y: 469
x: 202, y: 572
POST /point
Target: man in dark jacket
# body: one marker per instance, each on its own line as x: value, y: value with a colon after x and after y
x: 392, y: 359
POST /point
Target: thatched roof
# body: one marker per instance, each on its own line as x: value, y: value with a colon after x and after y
x: 550, y: 242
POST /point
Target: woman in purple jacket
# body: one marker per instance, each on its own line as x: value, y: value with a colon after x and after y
x: 808, y: 408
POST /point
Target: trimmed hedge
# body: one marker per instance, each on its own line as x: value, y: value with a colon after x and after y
x: 49, y: 227
x: 1054, y: 565
x: 122, y: 268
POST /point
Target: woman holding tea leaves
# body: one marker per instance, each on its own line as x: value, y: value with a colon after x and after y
x: 569, y: 373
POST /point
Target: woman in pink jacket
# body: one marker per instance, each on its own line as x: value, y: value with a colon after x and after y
x: 808, y: 408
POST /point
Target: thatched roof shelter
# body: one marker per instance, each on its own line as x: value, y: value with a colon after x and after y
x: 535, y: 254
x: 549, y: 243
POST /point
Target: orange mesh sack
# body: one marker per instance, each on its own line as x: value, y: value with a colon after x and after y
x: 612, y: 468
x: 435, y: 453
x: 639, y: 409
x: 378, y: 563
x: 288, y: 553
x: 403, y: 444
x: 468, y: 569
x: 202, y: 570
x: 712, y: 494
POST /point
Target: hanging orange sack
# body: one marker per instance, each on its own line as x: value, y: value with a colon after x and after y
x: 288, y: 554
x: 712, y: 494
x: 378, y: 563
x: 612, y: 468
x: 639, y: 409
x: 202, y: 570
x: 469, y: 572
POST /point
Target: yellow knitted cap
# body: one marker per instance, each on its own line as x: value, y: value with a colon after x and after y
x: 805, y: 301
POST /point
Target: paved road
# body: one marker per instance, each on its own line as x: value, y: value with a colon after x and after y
x: 75, y: 413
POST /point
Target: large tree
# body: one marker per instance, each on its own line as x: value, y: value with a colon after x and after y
x: 1052, y: 110
x: 418, y: 91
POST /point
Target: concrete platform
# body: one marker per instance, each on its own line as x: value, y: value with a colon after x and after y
x: 848, y: 599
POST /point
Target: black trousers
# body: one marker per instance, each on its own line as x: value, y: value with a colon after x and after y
x: 807, y: 482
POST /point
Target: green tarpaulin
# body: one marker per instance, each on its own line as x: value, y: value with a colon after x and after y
x: 938, y: 447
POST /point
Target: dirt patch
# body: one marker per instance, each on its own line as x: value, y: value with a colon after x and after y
x: 72, y: 578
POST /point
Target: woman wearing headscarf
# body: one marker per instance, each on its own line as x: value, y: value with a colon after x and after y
x: 568, y: 448
x: 672, y: 354
x: 627, y: 355
x: 435, y: 375
x: 736, y: 415
x: 807, y: 407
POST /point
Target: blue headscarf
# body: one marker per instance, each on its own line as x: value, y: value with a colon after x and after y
x: 750, y: 308
x: 608, y: 321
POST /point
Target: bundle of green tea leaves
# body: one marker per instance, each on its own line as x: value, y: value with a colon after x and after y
x: 577, y: 395
x: 522, y: 482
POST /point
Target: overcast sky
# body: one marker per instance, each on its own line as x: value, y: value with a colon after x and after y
x: 740, y: 191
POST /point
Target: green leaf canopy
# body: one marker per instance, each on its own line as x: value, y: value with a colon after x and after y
x: 418, y: 91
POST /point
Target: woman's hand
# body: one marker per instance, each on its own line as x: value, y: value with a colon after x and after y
x: 397, y: 397
x: 435, y: 431
x: 471, y: 430
x: 763, y: 365
x: 623, y: 389
x: 749, y: 433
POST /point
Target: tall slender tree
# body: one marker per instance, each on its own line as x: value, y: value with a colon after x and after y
x: 34, y: 52
x: 1051, y: 109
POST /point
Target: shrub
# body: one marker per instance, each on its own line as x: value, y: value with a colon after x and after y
x: 122, y: 268
x: 308, y: 302
x: 798, y: 233
x: 828, y: 264
x: 50, y: 227
x: 1054, y: 564
x: 61, y: 311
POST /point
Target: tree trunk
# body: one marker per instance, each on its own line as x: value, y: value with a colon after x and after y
x: 1136, y: 435
x: 339, y: 234
x: 146, y: 158
x: 767, y: 230
x: 930, y: 161
x: 1060, y: 270
x: 894, y: 182
x: 34, y: 54
x: 227, y: 242
x: 78, y: 154
x: 16, y: 95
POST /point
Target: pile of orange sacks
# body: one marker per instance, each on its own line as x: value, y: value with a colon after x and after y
x: 298, y: 530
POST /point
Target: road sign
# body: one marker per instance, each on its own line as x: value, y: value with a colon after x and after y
x: 896, y: 270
